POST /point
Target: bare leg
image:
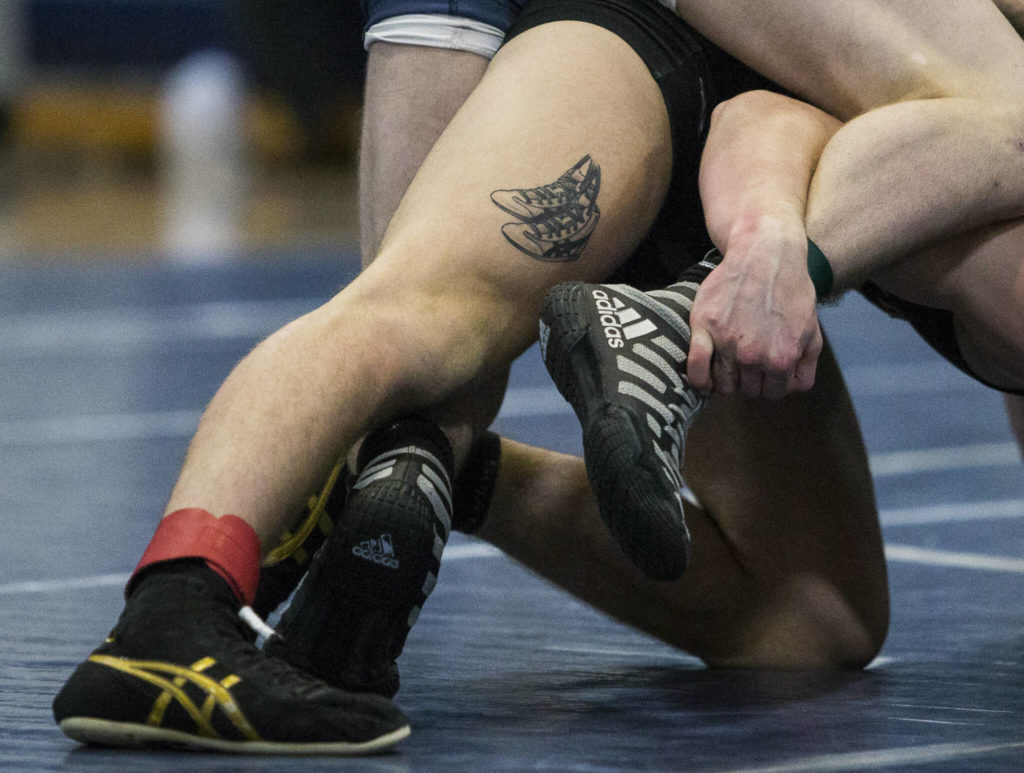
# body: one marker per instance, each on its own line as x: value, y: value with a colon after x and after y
x: 787, y: 568
x: 980, y: 278
x: 412, y: 92
x: 449, y: 301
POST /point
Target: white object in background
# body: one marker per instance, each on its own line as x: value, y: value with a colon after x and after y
x: 203, y: 158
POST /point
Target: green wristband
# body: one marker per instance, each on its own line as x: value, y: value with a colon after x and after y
x: 819, y: 269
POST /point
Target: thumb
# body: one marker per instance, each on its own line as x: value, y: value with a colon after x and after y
x: 698, y: 364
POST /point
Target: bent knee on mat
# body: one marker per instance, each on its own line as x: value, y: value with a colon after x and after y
x: 805, y: 624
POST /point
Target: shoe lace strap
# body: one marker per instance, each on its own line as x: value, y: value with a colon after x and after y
x: 254, y: 621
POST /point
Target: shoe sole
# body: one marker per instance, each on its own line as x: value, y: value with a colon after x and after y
x: 88, y: 730
x: 624, y: 471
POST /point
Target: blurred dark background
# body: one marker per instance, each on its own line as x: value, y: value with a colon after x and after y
x: 83, y: 84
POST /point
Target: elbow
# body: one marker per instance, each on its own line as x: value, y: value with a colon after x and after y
x: 762, y: 108
x: 748, y: 106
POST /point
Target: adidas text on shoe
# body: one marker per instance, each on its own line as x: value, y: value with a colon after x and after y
x: 618, y: 356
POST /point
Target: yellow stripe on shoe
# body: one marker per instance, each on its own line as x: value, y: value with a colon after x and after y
x: 316, y: 515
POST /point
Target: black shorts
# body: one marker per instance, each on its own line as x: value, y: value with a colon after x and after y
x: 935, y: 326
x: 694, y: 75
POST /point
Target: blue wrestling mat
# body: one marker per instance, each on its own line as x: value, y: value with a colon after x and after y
x: 104, y: 371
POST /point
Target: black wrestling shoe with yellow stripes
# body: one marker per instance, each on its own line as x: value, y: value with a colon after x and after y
x: 180, y: 670
x: 348, y: 621
x: 618, y: 356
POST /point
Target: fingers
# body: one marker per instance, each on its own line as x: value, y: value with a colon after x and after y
x: 698, y: 364
x: 724, y: 373
x: 721, y: 370
x: 718, y: 371
x: 806, y: 366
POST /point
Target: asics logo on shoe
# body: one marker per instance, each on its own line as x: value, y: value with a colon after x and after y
x: 379, y: 550
x: 195, y: 693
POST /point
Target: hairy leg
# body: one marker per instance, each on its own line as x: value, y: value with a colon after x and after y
x: 787, y: 568
x: 412, y: 93
x: 453, y: 295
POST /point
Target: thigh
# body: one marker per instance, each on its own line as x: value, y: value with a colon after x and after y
x: 979, y: 279
x: 785, y: 488
x: 411, y: 94
x: 564, y: 99
x: 848, y: 57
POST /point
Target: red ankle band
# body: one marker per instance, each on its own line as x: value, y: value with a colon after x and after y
x: 228, y: 544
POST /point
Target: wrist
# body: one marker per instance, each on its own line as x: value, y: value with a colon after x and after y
x: 777, y: 230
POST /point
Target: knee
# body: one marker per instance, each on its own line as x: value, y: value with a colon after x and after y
x: 809, y: 624
x: 426, y: 341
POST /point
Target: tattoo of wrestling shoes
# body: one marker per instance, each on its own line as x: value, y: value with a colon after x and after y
x: 560, y: 237
x: 577, y: 187
x: 555, y: 220
x: 180, y: 669
x: 618, y: 356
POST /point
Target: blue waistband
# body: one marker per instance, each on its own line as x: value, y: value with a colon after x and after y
x: 497, y: 13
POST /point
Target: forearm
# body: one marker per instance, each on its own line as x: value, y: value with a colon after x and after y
x: 896, y: 179
x: 759, y: 160
x: 761, y: 153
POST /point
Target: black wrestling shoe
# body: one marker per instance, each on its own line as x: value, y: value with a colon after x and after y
x: 180, y: 670
x: 618, y: 356
x: 287, y: 563
x: 348, y: 621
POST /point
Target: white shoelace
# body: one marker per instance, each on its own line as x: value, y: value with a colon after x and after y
x: 255, y: 622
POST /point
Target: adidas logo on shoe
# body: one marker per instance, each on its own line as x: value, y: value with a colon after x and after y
x: 349, y: 619
x: 618, y: 356
x: 379, y: 550
x: 620, y: 322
